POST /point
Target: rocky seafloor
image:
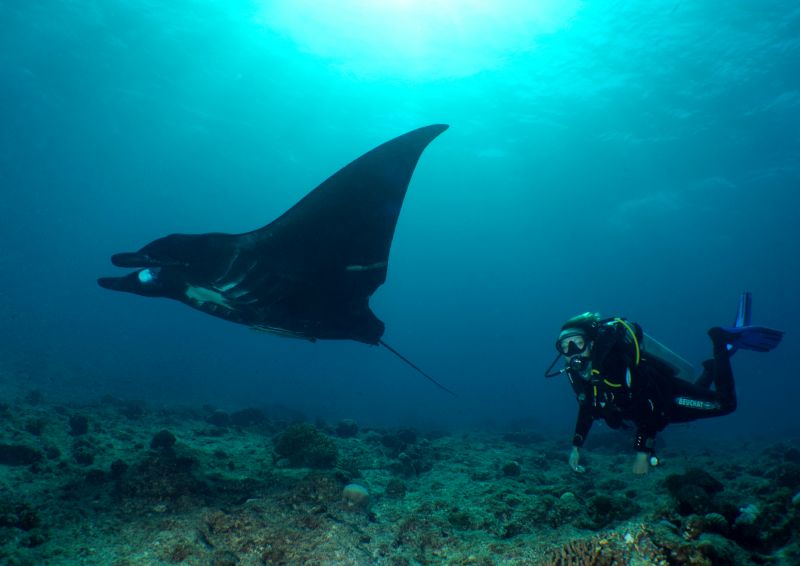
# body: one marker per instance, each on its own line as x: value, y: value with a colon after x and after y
x: 121, y: 483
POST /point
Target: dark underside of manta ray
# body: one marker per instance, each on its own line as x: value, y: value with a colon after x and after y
x: 310, y: 273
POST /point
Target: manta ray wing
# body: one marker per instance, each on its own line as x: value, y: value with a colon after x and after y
x: 307, y: 274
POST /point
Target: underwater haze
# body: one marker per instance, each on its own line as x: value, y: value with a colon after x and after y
x: 639, y: 159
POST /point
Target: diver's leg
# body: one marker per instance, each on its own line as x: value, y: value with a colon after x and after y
x: 723, y: 374
x: 692, y: 401
x: 707, y: 377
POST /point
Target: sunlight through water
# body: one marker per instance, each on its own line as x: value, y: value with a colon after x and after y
x: 416, y: 39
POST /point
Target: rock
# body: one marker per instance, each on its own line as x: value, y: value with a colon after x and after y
x: 18, y: 455
x: 346, y: 428
x: 83, y: 455
x: 96, y: 477
x: 35, y: 426
x: 34, y: 397
x: 163, y: 440
x: 18, y: 515
x: 605, y: 510
x: 303, y: 445
x: 407, y: 436
x: 395, y: 489
x: 78, y: 425
x: 118, y: 468
x: 460, y: 519
x: 219, y: 418
x: 512, y: 469
x: 52, y: 452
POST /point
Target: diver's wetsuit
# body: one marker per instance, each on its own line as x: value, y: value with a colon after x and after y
x: 648, y: 394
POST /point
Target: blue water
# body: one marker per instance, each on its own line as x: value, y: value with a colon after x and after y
x: 634, y: 158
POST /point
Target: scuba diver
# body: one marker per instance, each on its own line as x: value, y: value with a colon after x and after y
x: 619, y: 374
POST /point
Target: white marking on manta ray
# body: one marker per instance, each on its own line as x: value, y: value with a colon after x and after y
x: 234, y: 282
x: 369, y: 267
x: 202, y: 295
x: 229, y: 286
x: 278, y: 331
x: 231, y: 263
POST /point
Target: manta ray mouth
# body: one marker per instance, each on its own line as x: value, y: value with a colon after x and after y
x: 138, y: 259
x: 139, y: 279
x: 113, y: 283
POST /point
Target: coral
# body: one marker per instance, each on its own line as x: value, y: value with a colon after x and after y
x: 641, y: 546
x: 356, y: 495
x: 346, y: 428
x: 694, y: 491
x: 162, y: 475
x: 248, y: 417
x: 398, y: 441
x: 715, y: 523
x: 303, y: 445
x: 563, y: 510
x: 583, y: 552
x: 786, y: 475
x: 764, y: 527
x: 747, y: 515
x: 415, y: 460
x: 607, y: 509
x: 694, y: 476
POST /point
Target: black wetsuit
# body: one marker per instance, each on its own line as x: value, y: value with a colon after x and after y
x: 648, y: 393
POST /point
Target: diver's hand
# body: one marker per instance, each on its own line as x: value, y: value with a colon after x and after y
x: 641, y: 465
x: 574, y: 458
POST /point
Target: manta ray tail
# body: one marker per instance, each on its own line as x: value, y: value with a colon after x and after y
x: 409, y: 362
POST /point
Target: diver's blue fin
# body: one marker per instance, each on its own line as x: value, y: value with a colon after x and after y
x: 743, y: 315
x: 756, y: 338
x: 743, y: 334
x: 745, y: 308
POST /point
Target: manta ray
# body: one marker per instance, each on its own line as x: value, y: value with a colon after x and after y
x: 308, y: 274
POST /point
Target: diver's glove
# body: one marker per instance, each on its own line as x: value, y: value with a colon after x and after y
x: 756, y: 338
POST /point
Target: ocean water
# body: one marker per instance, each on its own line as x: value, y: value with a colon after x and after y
x: 639, y: 159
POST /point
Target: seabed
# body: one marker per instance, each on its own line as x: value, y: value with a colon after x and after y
x: 119, y: 483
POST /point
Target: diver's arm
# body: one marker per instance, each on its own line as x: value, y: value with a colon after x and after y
x: 582, y: 427
x: 645, y: 439
x: 644, y: 445
x: 641, y: 464
x: 574, y: 460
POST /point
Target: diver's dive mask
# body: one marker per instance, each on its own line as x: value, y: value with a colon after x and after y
x: 571, y: 343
